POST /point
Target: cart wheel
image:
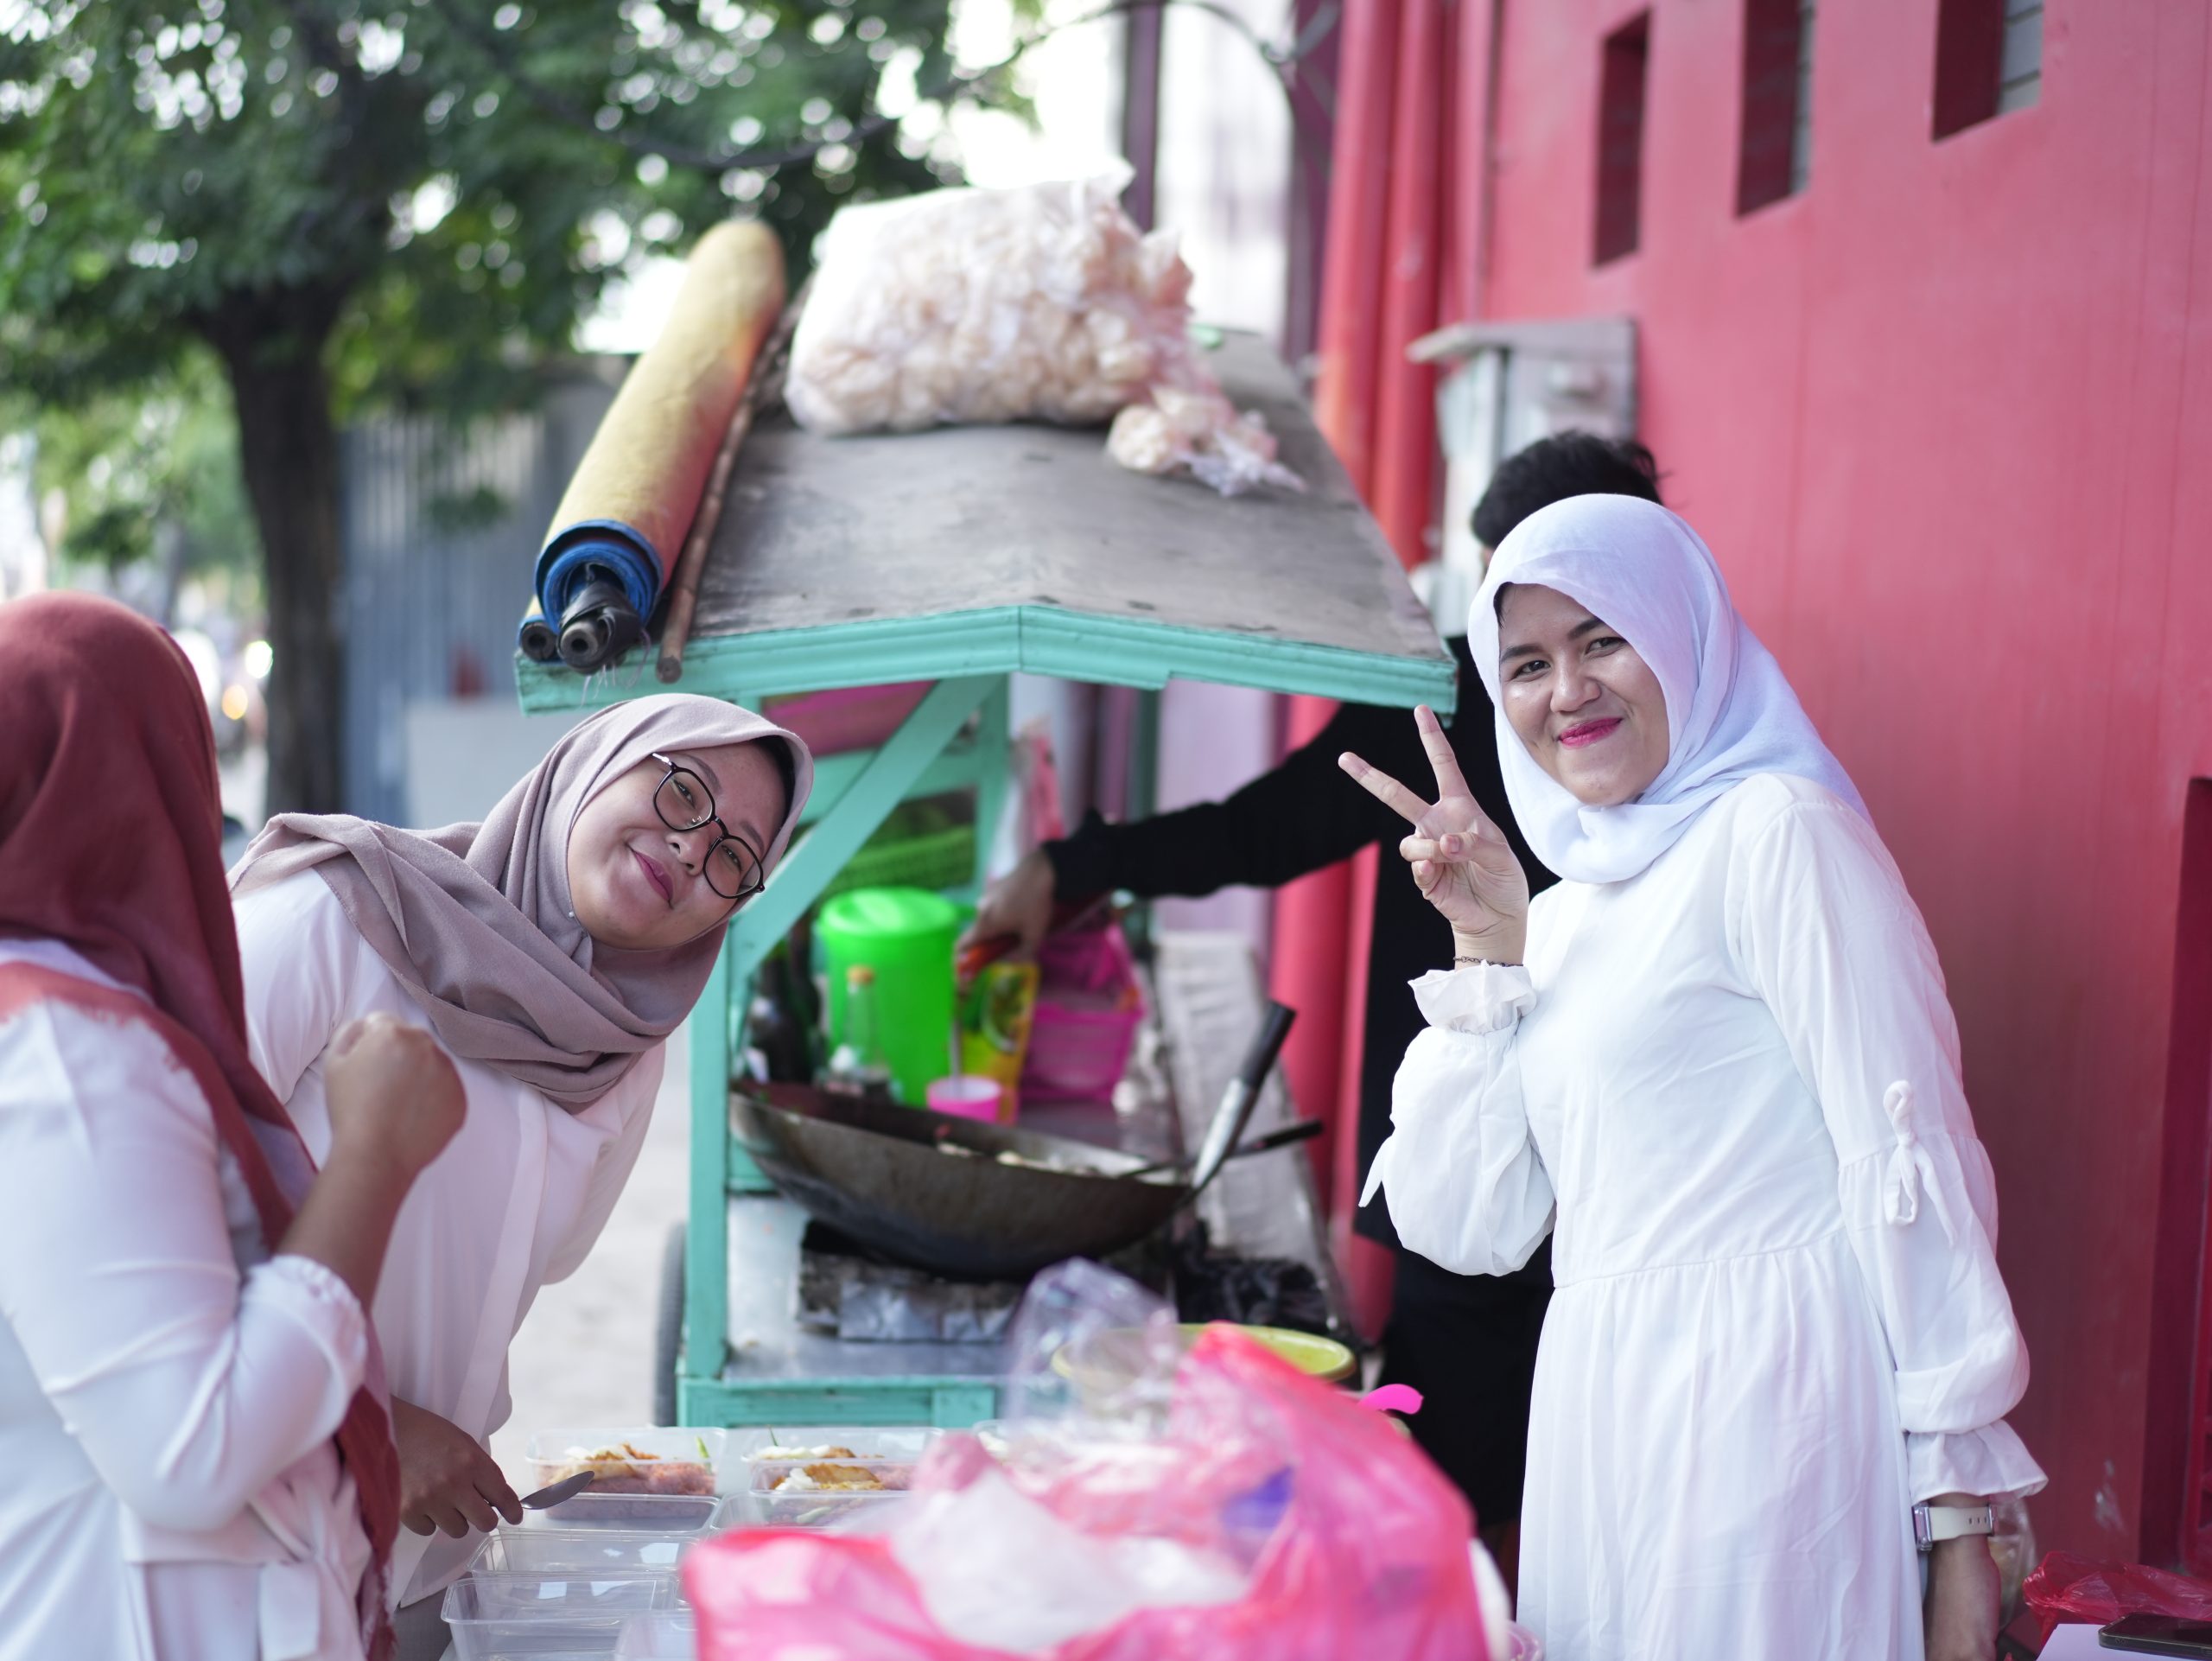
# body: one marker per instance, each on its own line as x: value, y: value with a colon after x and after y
x: 668, y: 1326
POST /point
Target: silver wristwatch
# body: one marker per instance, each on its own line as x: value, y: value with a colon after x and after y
x: 1931, y: 1524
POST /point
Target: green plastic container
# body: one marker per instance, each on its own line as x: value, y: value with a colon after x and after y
x: 906, y: 936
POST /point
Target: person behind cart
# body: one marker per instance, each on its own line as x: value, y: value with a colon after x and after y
x: 551, y: 949
x: 1467, y: 1342
x: 197, y: 1463
x: 1716, y: 1065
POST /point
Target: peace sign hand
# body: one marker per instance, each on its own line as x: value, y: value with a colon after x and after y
x: 1461, y: 860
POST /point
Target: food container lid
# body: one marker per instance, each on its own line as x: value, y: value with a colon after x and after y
x: 701, y: 1444
x: 808, y: 1443
x: 864, y: 914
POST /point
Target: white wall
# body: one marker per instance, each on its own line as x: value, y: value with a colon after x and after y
x: 463, y: 755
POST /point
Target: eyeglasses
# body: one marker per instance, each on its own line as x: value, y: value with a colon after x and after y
x: 732, y: 867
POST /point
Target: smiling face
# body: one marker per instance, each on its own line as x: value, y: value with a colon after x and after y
x: 1587, y: 706
x: 638, y: 886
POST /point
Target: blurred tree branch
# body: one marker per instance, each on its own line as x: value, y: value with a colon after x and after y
x: 362, y: 204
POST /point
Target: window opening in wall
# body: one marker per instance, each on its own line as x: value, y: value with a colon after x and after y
x: 1620, y: 139
x: 2178, y: 1420
x: 1776, y: 156
x: 2019, y: 71
x: 1988, y: 60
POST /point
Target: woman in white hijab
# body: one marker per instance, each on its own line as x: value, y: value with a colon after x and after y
x: 551, y: 951
x: 1717, y: 1062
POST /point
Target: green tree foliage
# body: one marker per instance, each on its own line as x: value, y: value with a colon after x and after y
x: 360, y: 203
x: 150, y: 470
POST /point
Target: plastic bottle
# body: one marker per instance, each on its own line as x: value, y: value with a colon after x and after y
x: 857, y: 1066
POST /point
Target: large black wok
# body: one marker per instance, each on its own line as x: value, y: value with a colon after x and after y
x: 931, y: 1188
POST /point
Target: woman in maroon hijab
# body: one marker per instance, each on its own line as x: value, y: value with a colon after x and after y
x: 197, y: 1452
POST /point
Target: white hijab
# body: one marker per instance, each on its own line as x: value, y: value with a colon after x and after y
x: 1730, y: 712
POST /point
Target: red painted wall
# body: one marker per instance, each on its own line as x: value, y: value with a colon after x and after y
x: 1946, y: 416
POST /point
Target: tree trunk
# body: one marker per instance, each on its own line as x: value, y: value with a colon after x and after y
x: 272, y: 347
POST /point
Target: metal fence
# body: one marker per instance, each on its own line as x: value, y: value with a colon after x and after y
x: 440, y: 530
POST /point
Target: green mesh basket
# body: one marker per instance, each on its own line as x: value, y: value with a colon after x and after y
x: 938, y: 859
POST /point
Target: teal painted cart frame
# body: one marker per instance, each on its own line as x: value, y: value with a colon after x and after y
x: 1083, y: 572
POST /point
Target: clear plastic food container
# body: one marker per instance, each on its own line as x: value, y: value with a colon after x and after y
x: 631, y: 1513
x: 499, y: 1617
x: 672, y: 1637
x: 557, y: 1552
x: 634, y: 1460
x: 811, y: 1493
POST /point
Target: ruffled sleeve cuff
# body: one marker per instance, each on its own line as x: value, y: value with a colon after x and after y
x: 1991, y: 1463
x: 315, y: 1299
x: 1480, y: 999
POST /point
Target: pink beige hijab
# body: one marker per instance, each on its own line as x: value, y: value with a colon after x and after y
x: 476, y: 922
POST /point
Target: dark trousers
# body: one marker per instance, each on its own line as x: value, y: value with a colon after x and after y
x: 1468, y: 1343
x: 421, y: 1629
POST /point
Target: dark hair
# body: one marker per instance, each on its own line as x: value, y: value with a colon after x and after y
x: 1552, y: 470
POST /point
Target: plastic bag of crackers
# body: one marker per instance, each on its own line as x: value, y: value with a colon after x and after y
x: 1043, y: 302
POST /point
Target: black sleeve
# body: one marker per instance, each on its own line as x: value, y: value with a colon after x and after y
x: 1303, y: 816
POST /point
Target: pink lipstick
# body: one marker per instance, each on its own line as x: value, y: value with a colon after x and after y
x: 1588, y: 733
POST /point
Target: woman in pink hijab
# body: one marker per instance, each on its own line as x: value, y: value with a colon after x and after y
x: 551, y: 949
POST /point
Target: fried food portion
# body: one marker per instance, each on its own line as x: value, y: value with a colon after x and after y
x: 625, y: 1469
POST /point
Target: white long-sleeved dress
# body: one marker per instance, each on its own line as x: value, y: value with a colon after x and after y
x: 514, y: 1203
x: 169, y: 1390
x: 1734, y: 1080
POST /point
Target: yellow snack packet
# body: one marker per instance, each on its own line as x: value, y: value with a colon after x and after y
x: 995, y: 1015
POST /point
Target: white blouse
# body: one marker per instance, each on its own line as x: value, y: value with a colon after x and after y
x: 1732, y: 1082
x: 169, y: 1390
x: 514, y: 1202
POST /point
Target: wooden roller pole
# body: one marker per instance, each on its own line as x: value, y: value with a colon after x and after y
x: 763, y: 387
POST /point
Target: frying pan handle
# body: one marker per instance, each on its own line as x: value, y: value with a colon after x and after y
x: 1259, y: 1059
x: 1243, y: 1092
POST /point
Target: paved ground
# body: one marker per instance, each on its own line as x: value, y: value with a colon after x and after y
x: 584, y: 1356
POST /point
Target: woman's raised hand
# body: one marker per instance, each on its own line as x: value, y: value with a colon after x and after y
x: 395, y: 1102
x: 1461, y: 860
x: 394, y: 1096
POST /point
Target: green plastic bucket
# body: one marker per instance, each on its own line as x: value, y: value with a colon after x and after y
x: 906, y: 936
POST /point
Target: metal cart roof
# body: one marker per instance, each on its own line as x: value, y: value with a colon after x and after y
x: 974, y: 550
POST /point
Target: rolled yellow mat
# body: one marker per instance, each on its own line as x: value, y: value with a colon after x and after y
x: 631, y: 501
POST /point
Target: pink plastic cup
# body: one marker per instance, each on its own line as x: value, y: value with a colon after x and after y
x: 970, y: 1095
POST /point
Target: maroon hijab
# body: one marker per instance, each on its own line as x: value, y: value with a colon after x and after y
x: 110, y: 842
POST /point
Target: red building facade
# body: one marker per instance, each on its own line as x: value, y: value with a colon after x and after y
x: 1928, y: 362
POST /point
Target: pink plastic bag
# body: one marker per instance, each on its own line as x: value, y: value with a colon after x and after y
x: 1312, y: 1530
x: 2066, y: 1588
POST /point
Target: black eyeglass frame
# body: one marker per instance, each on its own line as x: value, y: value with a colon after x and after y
x: 712, y: 816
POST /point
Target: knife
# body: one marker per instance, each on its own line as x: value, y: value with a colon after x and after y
x: 567, y: 1488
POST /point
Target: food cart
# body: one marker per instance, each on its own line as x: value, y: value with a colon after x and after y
x: 960, y: 556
